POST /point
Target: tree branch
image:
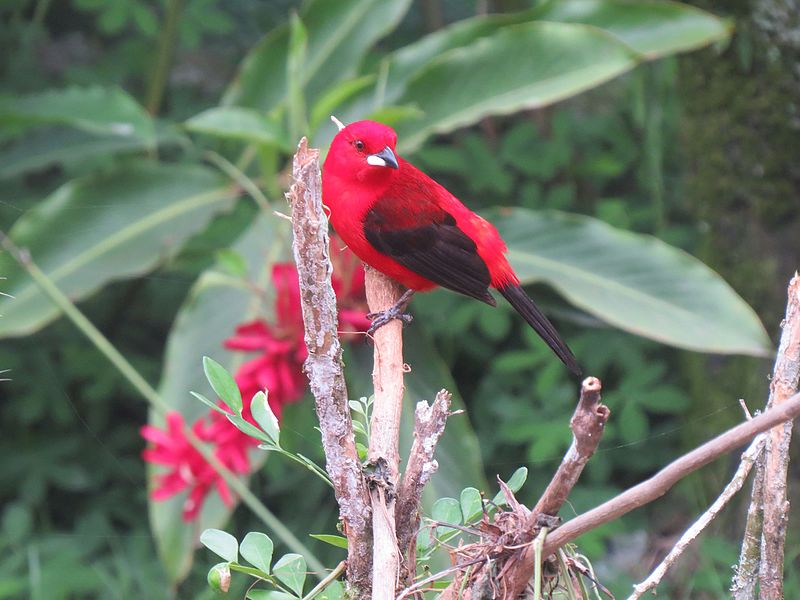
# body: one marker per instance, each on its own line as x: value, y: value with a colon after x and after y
x: 776, y: 454
x: 387, y: 378
x: 750, y: 455
x: 661, y: 482
x: 429, y: 423
x: 324, y: 363
x: 587, y: 424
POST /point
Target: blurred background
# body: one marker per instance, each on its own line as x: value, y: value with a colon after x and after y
x: 611, y: 142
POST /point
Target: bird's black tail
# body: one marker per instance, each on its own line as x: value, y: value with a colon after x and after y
x: 517, y: 297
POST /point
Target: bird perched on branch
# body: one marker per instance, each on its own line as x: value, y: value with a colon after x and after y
x: 404, y: 224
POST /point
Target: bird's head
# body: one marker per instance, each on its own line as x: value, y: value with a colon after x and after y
x: 364, y: 151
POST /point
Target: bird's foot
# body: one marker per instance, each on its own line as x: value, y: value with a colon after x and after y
x: 396, y: 311
x: 379, y: 319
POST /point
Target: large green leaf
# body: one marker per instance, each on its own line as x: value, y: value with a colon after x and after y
x: 635, y: 282
x: 652, y: 28
x: 214, y: 307
x: 232, y: 122
x: 339, y: 33
x: 97, y: 229
x: 95, y: 109
x: 62, y: 145
x: 458, y: 452
x: 521, y: 66
x: 646, y: 29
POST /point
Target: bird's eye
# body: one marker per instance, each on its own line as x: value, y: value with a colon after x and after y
x: 359, y: 145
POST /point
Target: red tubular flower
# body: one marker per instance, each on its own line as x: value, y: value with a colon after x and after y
x: 277, y: 367
x: 187, y: 467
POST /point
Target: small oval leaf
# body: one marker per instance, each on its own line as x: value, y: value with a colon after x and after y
x: 221, y: 543
x: 223, y: 383
x: 471, y: 504
x: 265, y: 418
x: 334, y: 540
x: 291, y: 570
x: 256, y: 548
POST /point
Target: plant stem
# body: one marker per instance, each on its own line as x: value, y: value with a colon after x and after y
x: 332, y: 576
x: 166, y: 48
x: 127, y: 370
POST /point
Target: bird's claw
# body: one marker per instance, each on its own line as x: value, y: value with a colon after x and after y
x: 379, y: 319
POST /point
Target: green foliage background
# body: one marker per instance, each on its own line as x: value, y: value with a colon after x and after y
x: 698, y: 151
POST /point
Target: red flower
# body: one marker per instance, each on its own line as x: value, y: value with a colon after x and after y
x: 187, y: 467
x: 277, y: 367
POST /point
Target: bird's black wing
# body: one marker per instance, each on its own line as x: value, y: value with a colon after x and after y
x: 431, y: 245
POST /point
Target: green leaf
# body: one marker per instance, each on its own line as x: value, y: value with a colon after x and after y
x: 265, y: 418
x: 653, y: 29
x: 471, y: 504
x: 95, y: 109
x: 256, y: 548
x: 334, y: 591
x: 339, y: 34
x: 635, y: 282
x: 248, y: 570
x: 515, y: 483
x: 209, y: 315
x: 325, y: 106
x: 447, y: 510
x: 56, y: 145
x: 232, y: 262
x: 334, y: 540
x: 291, y: 571
x: 234, y: 123
x: 552, y: 61
x: 223, y: 383
x: 256, y: 594
x: 106, y: 227
x: 248, y: 428
x: 221, y: 543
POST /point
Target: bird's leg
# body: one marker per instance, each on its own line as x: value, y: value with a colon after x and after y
x: 379, y: 319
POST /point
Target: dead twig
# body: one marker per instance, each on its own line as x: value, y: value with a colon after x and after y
x: 324, y: 363
x: 587, y: 424
x: 750, y: 455
x: 661, y: 482
x: 429, y: 423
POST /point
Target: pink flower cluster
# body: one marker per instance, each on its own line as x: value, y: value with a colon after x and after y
x: 277, y: 367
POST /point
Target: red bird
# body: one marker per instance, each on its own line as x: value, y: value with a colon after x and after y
x: 404, y: 224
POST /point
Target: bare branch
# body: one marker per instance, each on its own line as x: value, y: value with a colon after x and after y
x: 429, y: 423
x: 748, y: 458
x: 324, y: 363
x: 387, y: 378
x: 776, y: 456
x: 587, y: 424
x: 661, y: 482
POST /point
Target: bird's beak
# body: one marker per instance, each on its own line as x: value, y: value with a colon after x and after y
x: 384, y: 158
